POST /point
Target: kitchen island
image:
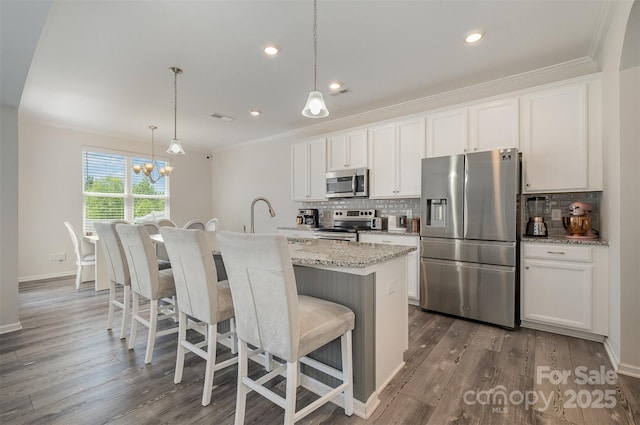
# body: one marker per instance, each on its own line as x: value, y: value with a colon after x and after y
x: 370, y: 279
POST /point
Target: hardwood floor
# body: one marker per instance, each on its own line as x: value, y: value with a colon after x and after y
x: 64, y: 367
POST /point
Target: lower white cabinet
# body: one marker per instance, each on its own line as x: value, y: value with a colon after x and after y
x: 413, y: 263
x: 565, y: 287
x: 296, y: 233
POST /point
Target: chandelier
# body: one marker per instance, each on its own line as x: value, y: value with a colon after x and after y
x: 315, y: 107
x: 175, y: 147
x: 151, y: 169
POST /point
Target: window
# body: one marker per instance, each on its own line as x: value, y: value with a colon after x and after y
x: 113, y: 191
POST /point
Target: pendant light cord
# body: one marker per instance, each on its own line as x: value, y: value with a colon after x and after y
x: 315, y: 45
x: 175, y: 104
x: 153, y: 155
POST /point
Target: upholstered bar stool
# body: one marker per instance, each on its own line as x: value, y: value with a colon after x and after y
x: 201, y: 297
x: 163, y: 258
x: 118, y: 271
x: 149, y: 282
x: 83, y: 257
x: 272, y: 316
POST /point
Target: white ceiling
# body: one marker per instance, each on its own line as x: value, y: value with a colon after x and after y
x: 102, y: 66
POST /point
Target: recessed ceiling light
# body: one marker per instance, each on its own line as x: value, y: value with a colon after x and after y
x: 255, y: 112
x: 473, y: 37
x: 271, y: 50
x: 335, y: 85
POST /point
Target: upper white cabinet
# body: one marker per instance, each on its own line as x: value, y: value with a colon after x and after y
x: 347, y: 150
x: 395, y: 154
x: 447, y: 132
x: 308, y: 162
x: 494, y: 125
x: 562, y: 138
x: 481, y: 127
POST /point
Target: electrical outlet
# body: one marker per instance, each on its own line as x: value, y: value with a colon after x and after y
x: 556, y: 214
x: 59, y: 256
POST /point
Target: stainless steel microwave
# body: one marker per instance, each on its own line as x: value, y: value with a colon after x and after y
x: 347, y: 183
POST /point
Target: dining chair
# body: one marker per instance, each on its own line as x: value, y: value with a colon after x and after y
x: 149, y: 282
x: 195, y: 224
x: 118, y: 271
x: 272, y: 316
x: 212, y: 225
x: 83, y: 256
x: 163, y: 258
x: 201, y: 297
x: 165, y: 222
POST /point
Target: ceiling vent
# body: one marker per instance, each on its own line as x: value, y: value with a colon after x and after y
x: 341, y: 91
x: 221, y: 117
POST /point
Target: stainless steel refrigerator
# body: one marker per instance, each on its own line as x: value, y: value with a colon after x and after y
x: 469, y: 250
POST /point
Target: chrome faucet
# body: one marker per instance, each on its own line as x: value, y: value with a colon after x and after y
x: 253, y: 204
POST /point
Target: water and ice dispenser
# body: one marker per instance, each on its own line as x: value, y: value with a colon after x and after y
x: 436, y: 212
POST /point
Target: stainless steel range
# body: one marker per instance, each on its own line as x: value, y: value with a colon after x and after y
x: 346, y: 224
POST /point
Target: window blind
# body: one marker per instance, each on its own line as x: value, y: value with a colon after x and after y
x: 113, y: 191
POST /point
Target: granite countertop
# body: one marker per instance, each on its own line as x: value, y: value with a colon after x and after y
x: 564, y: 240
x: 323, y: 252
x: 390, y: 232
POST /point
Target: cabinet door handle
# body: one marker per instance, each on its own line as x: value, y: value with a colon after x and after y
x: 556, y: 252
x: 385, y: 241
x: 528, y: 185
x: 527, y: 267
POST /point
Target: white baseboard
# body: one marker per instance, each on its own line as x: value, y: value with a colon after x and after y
x: 620, y: 368
x: 5, y: 329
x: 613, y: 357
x: 47, y: 276
x: 628, y: 370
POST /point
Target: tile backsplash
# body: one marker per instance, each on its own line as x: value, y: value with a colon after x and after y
x: 561, y: 201
x: 384, y: 207
x: 411, y: 208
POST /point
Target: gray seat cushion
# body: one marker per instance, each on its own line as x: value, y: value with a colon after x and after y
x: 321, y: 321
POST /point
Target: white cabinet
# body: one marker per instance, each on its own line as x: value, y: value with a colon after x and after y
x: 413, y: 263
x: 296, y: 233
x: 395, y: 157
x: 564, y: 287
x: 447, y: 132
x: 481, y: 127
x: 308, y: 162
x: 494, y: 125
x: 562, y: 139
x: 347, y: 150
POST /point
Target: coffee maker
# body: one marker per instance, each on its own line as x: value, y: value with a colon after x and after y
x: 308, y: 219
x: 536, y: 225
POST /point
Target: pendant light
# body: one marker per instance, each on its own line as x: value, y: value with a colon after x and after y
x: 175, y: 147
x: 149, y: 167
x: 315, y: 107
